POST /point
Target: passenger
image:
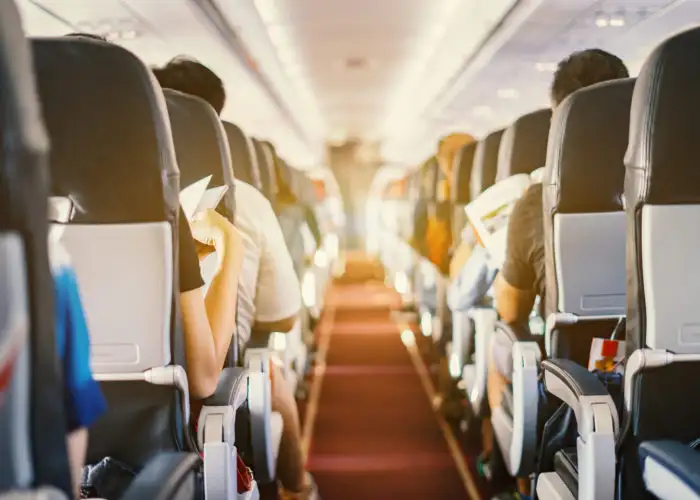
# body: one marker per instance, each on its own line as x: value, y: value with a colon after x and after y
x: 84, y: 401
x: 475, y: 276
x: 522, y: 277
x: 292, y: 213
x: 269, y: 297
x: 439, y: 228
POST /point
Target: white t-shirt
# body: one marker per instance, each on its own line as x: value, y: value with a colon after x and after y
x: 268, y: 288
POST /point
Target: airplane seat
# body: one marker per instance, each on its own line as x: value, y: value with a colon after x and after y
x: 472, y: 329
x: 112, y: 156
x: 662, y: 194
x: 461, y: 175
x: 266, y: 166
x: 524, y: 145
x: 243, y: 157
x: 202, y: 149
x: 584, y: 240
x: 32, y: 416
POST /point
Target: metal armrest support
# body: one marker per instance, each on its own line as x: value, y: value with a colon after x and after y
x: 671, y: 469
x: 169, y: 476
x: 216, y: 432
x: 598, y: 424
x: 260, y: 409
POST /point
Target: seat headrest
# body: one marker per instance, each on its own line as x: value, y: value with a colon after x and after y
x: 268, y: 178
x: 524, y: 145
x: 201, y: 145
x: 664, y: 152
x: 485, y: 163
x: 585, y: 171
x: 243, y: 157
x: 461, y: 173
x: 111, y: 147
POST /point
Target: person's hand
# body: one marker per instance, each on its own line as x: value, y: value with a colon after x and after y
x: 213, y: 232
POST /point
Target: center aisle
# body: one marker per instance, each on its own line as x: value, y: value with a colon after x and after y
x: 373, y: 432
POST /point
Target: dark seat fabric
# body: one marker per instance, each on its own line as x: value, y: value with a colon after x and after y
x: 112, y: 155
x: 23, y: 211
x: 462, y: 174
x: 201, y: 145
x: 661, y: 171
x: 523, y: 147
x: 485, y: 163
x: 266, y: 162
x: 566, y: 466
x: 243, y: 155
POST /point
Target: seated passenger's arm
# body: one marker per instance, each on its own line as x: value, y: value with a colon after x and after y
x: 278, y: 298
x: 515, y: 284
x: 208, y: 322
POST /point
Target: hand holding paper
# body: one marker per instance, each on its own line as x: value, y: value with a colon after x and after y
x: 196, y: 198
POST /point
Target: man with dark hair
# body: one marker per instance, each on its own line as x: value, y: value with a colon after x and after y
x: 522, y: 276
x: 194, y: 78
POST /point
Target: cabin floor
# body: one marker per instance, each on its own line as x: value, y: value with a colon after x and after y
x: 370, y: 427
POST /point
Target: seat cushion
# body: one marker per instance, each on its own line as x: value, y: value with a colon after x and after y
x: 566, y: 466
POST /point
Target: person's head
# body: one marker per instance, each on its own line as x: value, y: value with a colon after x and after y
x: 582, y: 69
x: 191, y: 77
x: 447, y: 149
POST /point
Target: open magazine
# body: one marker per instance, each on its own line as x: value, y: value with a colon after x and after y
x: 196, y: 198
x: 490, y: 212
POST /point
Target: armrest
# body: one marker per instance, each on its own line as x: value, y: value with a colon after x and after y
x: 671, y: 469
x: 515, y: 333
x: 166, y: 477
x: 582, y: 391
x: 232, y: 389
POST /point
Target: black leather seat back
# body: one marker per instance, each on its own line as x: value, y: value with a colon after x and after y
x: 243, y: 156
x: 201, y: 146
x: 662, y: 194
x: 112, y: 155
x: 485, y: 163
x: 524, y: 145
x: 32, y: 418
x: 460, y: 187
x: 266, y: 164
x: 582, y: 185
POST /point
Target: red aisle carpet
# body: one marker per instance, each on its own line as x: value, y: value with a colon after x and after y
x: 374, y: 435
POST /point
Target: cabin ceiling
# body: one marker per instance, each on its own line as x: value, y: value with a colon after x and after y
x: 402, y: 72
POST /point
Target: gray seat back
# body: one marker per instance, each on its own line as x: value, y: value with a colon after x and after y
x: 485, y: 163
x: 112, y: 155
x: 523, y: 147
x: 662, y: 191
x: 265, y: 154
x: 583, y: 183
x: 201, y: 145
x: 460, y: 187
x: 243, y: 156
x: 32, y: 418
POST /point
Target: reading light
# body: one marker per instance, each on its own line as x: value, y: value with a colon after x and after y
x: 507, y: 93
x: 602, y: 22
x: 617, y: 22
x: 482, y: 111
x: 546, y: 67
